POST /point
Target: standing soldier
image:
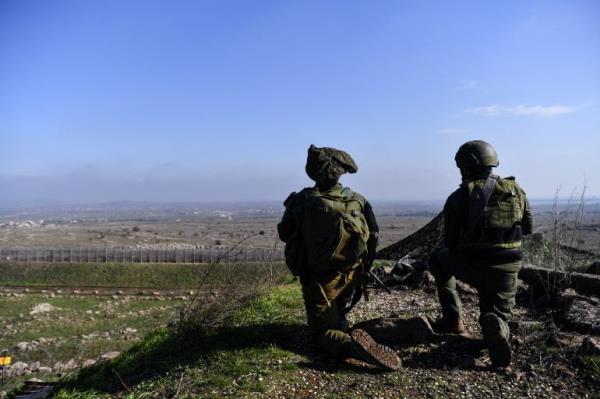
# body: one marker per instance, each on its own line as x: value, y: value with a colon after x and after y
x: 484, y: 220
x: 330, y: 232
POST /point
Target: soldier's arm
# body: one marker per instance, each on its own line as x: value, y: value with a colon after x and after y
x: 527, y: 222
x: 453, y: 219
x: 373, y: 228
x: 287, y: 226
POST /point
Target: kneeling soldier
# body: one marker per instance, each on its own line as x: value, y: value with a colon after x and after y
x: 329, y: 232
x: 484, y: 220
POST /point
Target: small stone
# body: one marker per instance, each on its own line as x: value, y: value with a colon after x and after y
x: 70, y: 365
x: 590, y: 346
x: 42, y: 308
x: 23, y: 346
x: 33, y: 367
x: 17, y: 369
x: 110, y: 355
x: 58, y: 367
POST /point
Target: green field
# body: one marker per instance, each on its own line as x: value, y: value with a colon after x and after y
x: 156, y: 275
x: 77, y: 328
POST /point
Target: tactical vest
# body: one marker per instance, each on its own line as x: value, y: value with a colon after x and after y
x: 499, y: 225
x: 332, y: 233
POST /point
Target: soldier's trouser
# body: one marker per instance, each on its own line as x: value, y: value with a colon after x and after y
x: 496, y: 283
x: 324, y: 302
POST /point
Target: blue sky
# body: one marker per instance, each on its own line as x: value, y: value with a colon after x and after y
x: 219, y: 100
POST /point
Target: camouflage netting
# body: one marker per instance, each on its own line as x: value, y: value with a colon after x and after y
x: 420, y: 245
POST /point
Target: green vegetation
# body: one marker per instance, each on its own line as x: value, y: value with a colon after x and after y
x: 155, y: 275
x: 256, y: 344
x: 76, y: 328
x: 590, y: 365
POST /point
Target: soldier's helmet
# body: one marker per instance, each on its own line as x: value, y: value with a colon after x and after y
x: 475, y: 154
x: 325, y: 165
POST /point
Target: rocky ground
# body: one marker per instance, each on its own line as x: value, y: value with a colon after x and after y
x: 547, y: 359
x: 50, y: 334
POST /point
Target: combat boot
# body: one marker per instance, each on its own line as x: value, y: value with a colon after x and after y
x: 495, y: 335
x: 366, y: 349
x: 446, y: 325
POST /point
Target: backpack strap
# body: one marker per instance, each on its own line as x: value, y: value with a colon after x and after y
x: 478, y: 209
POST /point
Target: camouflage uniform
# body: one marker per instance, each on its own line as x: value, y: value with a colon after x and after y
x: 487, y: 258
x: 491, y: 270
x: 327, y: 290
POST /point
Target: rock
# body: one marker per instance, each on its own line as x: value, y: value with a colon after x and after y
x: 17, y: 369
x: 23, y: 346
x: 44, y: 369
x: 590, y: 346
x: 594, y: 268
x: 58, y: 367
x: 465, y: 288
x: 88, y: 363
x: 393, y: 330
x: 35, y: 389
x: 70, y: 365
x: 109, y: 355
x: 42, y: 308
x: 33, y: 367
x: 581, y: 313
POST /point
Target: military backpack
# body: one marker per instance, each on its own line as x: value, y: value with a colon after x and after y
x: 332, y: 232
x: 496, y: 208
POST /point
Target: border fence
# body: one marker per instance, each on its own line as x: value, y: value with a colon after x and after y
x: 137, y: 255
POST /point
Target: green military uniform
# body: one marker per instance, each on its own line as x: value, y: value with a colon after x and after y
x: 483, y: 252
x: 491, y: 268
x: 326, y: 287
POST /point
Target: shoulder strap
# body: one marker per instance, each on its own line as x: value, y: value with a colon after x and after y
x: 479, y: 207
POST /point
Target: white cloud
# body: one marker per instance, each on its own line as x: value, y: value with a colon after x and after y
x: 522, y: 109
x: 466, y: 85
x: 453, y: 131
